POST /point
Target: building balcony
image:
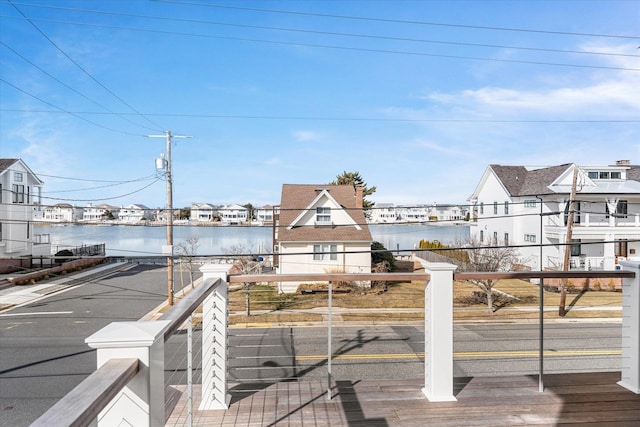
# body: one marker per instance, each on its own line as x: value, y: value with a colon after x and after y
x: 130, y: 387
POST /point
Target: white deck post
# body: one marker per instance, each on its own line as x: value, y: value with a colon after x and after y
x: 141, y: 402
x: 214, y: 340
x: 631, y: 328
x: 438, y: 332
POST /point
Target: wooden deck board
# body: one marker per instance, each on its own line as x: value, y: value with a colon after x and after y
x: 569, y: 399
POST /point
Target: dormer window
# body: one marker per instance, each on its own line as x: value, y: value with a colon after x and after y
x: 323, y: 215
x: 605, y: 175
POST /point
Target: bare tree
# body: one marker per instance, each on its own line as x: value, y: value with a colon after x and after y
x: 187, y: 250
x: 246, y: 263
x: 483, y: 257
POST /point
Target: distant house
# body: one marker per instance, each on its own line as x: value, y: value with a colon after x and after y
x: 99, y: 212
x: 384, y: 213
x: 321, y: 229
x: 233, y: 214
x: 20, y: 202
x: 527, y: 206
x: 264, y: 215
x: 134, y: 214
x: 203, y: 212
x: 61, y: 212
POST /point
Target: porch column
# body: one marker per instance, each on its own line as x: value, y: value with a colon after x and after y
x: 141, y: 401
x: 214, y: 340
x: 631, y: 328
x: 438, y: 332
x: 609, y: 252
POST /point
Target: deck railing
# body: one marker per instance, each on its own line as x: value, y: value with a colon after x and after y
x: 139, y: 388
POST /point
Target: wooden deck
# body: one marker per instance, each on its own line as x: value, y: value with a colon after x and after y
x: 569, y: 399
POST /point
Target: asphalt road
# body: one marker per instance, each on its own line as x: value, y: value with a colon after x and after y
x: 42, y: 350
x: 396, y: 352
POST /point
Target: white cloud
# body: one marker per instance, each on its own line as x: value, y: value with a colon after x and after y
x: 306, y: 135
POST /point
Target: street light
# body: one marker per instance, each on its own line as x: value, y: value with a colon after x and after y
x: 168, y: 249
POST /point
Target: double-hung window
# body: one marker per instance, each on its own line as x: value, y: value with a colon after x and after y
x: 325, y: 252
x: 18, y: 193
x: 323, y: 215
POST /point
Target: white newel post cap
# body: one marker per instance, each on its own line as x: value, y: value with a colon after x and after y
x: 127, y: 334
x: 217, y: 271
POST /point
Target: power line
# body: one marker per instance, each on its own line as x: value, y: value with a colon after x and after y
x: 400, y: 21
x: 79, y: 66
x: 69, y: 87
x: 304, y: 31
x: 97, y: 180
x: 358, y: 49
x: 328, y: 118
x: 65, y: 111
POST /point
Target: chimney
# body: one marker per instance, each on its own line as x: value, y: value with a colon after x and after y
x: 359, y: 197
x: 623, y: 162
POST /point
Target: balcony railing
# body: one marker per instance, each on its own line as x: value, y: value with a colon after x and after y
x: 129, y: 385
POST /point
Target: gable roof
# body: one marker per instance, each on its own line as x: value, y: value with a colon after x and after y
x: 5, y: 165
x: 532, y: 181
x: 523, y: 181
x: 298, y: 198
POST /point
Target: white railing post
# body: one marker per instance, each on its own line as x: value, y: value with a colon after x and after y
x: 141, y: 402
x: 214, y: 340
x: 438, y: 332
x: 631, y: 328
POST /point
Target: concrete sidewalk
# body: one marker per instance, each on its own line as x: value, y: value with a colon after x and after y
x: 16, y: 296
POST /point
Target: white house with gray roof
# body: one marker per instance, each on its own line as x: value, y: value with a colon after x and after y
x: 528, y: 205
x: 20, y: 203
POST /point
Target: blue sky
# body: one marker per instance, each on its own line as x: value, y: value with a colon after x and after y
x: 418, y: 96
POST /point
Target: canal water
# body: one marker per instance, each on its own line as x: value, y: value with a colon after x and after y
x: 122, y: 240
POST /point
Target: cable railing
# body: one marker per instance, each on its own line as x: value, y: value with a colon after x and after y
x: 155, y: 396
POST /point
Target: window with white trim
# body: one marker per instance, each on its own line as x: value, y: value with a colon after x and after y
x: 530, y: 203
x: 17, y: 176
x: 530, y: 238
x: 325, y: 252
x: 323, y: 215
x: 18, y: 193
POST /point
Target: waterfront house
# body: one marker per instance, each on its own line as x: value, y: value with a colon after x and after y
x: 99, y: 213
x: 383, y: 213
x: 61, y: 212
x: 321, y: 229
x: 233, y: 214
x: 20, y: 203
x: 527, y: 205
x: 134, y: 214
x: 264, y: 215
x: 203, y: 212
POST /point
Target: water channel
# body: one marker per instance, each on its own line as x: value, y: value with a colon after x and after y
x: 122, y: 240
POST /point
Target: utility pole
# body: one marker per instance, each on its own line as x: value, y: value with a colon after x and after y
x: 567, y: 249
x: 169, y: 179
